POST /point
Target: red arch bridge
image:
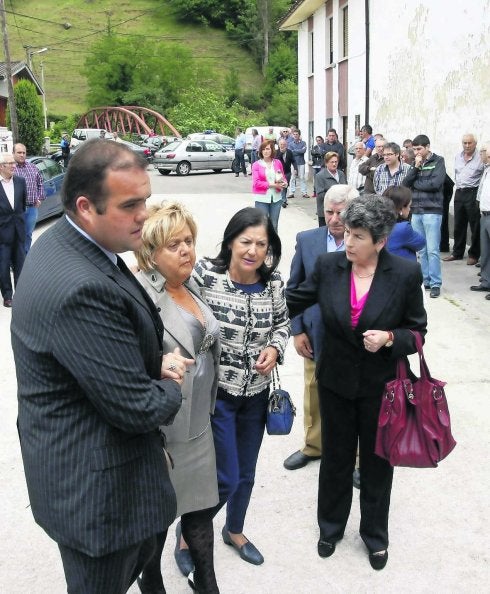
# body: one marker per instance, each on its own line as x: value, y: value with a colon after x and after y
x: 129, y: 119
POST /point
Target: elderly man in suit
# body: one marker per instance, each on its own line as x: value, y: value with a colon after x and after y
x: 93, y: 384
x: 13, y: 199
x: 307, y: 328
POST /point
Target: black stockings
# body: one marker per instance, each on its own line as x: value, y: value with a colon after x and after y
x: 197, y: 530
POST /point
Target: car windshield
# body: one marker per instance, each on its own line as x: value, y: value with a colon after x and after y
x: 172, y: 146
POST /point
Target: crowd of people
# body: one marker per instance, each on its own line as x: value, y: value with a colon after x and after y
x: 143, y: 397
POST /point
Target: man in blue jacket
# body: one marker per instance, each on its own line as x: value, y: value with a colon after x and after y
x: 426, y: 180
x: 298, y: 148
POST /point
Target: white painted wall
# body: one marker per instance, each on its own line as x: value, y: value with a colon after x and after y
x: 430, y: 70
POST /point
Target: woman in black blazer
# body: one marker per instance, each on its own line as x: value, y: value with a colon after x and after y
x: 370, y: 300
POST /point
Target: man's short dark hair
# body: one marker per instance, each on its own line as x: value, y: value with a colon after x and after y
x: 88, y: 169
x: 421, y: 140
x: 332, y: 130
x: 393, y: 147
x: 367, y: 128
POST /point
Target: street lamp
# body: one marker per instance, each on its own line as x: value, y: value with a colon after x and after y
x: 41, y: 65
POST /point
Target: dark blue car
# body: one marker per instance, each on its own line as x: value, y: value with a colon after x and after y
x: 53, y: 174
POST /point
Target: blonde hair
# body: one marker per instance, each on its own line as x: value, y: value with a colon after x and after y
x: 163, y: 224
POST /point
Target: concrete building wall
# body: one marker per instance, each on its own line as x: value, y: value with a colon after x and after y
x: 429, y: 70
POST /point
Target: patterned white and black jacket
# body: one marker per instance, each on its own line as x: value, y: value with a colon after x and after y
x: 248, y: 324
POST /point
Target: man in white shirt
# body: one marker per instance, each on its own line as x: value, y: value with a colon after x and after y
x: 13, y: 199
x: 483, y: 198
x: 356, y: 180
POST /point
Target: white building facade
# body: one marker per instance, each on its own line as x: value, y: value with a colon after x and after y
x: 404, y: 67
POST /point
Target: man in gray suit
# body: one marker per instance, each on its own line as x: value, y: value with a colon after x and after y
x: 92, y: 387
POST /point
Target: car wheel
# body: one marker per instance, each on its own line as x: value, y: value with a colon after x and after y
x: 183, y: 168
x: 234, y: 164
x: 217, y: 170
x: 164, y: 171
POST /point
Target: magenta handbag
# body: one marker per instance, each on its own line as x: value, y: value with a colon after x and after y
x: 414, y: 426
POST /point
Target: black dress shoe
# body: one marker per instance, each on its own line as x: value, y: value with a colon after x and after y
x: 248, y: 552
x: 325, y: 548
x: 149, y: 589
x: 487, y: 297
x: 298, y: 460
x: 480, y: 288
x: 284, y: 204
x: 378, y: 560
x: 7, y: 302
x: 182, y: 556
x: 356, y: 478
x: 435, y: 292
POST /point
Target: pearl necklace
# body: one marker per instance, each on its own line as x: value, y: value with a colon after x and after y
x: 363, y: 275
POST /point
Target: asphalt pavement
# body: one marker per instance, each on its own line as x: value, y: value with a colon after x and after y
x: 439, y: 517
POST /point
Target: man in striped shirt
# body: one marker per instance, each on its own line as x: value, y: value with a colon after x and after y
x: 392, y: 172
x: 35, y: 189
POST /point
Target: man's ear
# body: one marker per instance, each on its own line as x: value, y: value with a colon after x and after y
x: 84, y: 208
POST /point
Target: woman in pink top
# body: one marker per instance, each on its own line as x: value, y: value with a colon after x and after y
x: 369, y: 300
x: 268, y: 180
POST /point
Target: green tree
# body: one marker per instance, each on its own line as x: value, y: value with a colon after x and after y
x: 232, y: 86
x: 207, y: 111
x: 283, y: 108
x: 124, y: 71
x: 29, y: 116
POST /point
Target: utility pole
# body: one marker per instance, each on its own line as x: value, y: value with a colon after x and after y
x: 8, y: 69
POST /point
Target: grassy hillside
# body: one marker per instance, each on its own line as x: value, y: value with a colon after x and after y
x: 43, y: 26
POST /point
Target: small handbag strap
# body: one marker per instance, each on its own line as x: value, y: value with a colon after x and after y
x: 275, y: 374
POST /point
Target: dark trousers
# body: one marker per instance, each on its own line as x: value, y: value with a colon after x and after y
x: 12, y: 255
x: 238, y: 428
x: 240, y: 161
x: 322, y: 222
x: 344, y: 422
x: 466, y: 210
x: 110, y: 574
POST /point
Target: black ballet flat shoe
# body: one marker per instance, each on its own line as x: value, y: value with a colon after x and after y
x: 149, y: 589
x: 325, y: 548
x: 248, y: 552
x: 182, y: 556
x: 378, y: 560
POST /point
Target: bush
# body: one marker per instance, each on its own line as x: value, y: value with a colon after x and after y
x: 30, y: 117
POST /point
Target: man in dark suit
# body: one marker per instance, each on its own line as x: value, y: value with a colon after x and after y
x: 13, y: 199
x: 307, y: 328
x: 92, y: 389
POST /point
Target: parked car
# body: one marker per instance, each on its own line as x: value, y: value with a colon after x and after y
x: 187, y: 155
x: 227, y: 141
x: 142, y: 150
x: 53, y: 174
x: 81, y: 134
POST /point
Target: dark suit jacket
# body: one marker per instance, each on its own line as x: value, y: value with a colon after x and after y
x: 12, y: 224
x: 88, y: 346
x: 323, y: 181
x: 395, y: 303
x: 309, y: 245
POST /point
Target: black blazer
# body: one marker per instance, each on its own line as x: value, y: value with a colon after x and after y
x: 395, y: 303
x: 88, y: 346
x: 12, y: 219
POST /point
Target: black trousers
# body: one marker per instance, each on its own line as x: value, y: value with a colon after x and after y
x: 344, y: 422
x: 110, y: 574
x: 240, y: 161
x: 466, y: 210
x: 12, y: 255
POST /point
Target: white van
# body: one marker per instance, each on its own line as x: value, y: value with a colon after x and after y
x: 81, y: 134
x: 263, y: 131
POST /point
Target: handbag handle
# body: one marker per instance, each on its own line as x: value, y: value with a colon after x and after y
x: 424, y: 369
x: 274, y: 374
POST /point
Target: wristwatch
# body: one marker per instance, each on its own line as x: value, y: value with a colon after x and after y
x: 389, y: 342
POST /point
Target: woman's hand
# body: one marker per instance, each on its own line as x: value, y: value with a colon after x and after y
x: 266, y: 360
x: 375, y: 340
x: 174, y: 366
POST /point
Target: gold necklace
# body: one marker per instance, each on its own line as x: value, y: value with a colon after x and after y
x: 363, y: 275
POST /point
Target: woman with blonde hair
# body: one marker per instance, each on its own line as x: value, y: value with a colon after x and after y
x: 166, y: 260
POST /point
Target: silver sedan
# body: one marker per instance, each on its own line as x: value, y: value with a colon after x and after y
x: 184, y: 156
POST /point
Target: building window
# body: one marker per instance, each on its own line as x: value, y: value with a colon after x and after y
x: 345, y: 31
x: 330, y: 41
x: 328, y: 124
x: 311, y: 63
x: 311, y: 132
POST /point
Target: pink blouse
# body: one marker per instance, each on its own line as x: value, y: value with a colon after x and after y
x: 356, y: 305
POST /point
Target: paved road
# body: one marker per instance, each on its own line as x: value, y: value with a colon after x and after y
x: 439, y: 518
